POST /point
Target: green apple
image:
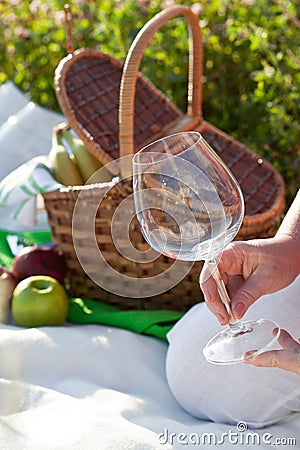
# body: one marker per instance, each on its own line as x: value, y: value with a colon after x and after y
x: 39, y: 301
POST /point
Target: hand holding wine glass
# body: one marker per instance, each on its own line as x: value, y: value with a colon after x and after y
x: 250, y: 270
x: 190, y: 207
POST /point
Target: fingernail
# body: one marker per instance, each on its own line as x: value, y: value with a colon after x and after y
x: 249, y: 355
x: 275, y: 331
x: 239, y: 309
x: 220, y: 318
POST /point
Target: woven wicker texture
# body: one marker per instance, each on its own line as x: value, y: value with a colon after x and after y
x: 60, y: 209
x: 116, y: 111
x: 88, y: 84
x: 262, y: 186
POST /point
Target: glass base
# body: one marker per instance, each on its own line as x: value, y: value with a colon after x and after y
x: 229, y: 346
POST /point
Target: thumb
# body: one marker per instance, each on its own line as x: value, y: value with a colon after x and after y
x: 282, y: 359
x: 251, y: 290
x: 287, y: 341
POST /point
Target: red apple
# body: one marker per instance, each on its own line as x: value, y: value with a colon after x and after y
x: 34, y: 260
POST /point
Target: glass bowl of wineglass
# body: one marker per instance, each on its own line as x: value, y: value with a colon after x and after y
x: 189, y: 207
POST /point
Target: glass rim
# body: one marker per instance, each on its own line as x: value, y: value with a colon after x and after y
x: 146, y: 147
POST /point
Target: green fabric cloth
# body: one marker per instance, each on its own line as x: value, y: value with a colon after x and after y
x: 25, y: 237
x: 81, y: 311
x: 151, y: 322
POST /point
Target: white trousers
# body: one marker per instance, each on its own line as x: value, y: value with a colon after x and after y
x: 232, y: 393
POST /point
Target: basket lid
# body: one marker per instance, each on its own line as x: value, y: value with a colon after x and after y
x: 88, y: 84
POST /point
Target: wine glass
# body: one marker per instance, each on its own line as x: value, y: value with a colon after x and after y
x: 189, y: 207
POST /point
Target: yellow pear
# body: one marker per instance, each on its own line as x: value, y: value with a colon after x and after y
x: 87, y: 163
x: 63, y: 165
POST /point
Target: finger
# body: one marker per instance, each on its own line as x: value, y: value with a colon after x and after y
x: 282, y: 359
x: 234, y: 284
x: 287, y: 341
x: 212, y: 297
x: 214, y: 302
x: 231, y: 259
x: 208, y: 284
x: 251, y: 290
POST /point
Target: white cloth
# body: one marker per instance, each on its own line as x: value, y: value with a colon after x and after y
x: 100, y: 388
x: 229, y: 394
x: 11, y: 101
x: 25, y: 133
x: 21, y: 187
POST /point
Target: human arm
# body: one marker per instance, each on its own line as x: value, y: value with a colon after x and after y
x: 253, y: 268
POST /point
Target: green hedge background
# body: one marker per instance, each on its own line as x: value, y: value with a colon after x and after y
x: 251, y: 83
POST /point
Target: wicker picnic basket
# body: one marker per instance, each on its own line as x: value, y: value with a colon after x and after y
x: 115, y: 111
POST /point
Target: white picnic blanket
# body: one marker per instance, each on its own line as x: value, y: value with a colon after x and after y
x: 25, y: 129
x: 25, y: 140
x: 100, y: 388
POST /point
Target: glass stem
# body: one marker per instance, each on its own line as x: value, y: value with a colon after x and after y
x: 213, y: 268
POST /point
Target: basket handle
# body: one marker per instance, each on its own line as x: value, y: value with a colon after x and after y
x: 69, y: 24
x: 130, y: 72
